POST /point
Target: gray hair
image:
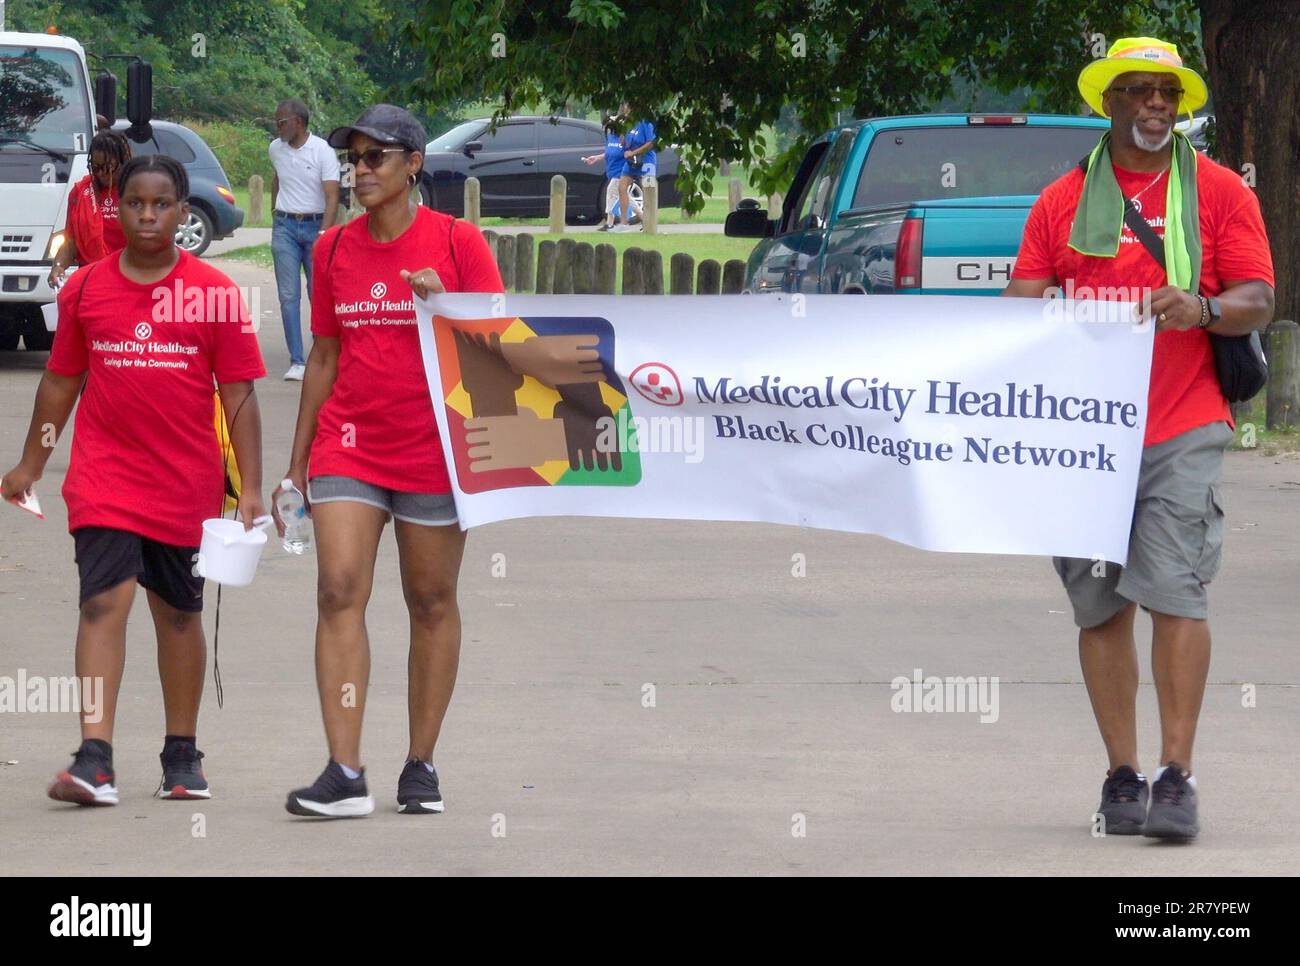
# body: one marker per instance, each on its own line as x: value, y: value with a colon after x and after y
x: 295, y: 106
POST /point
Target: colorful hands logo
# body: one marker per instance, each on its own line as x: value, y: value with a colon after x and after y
x: 536, y: 402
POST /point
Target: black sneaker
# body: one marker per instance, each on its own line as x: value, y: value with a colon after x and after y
x: 332, y: 795
x: 604, y: 226
x: 1124, y: 796
x: 90, y: 779
x: 1173, y: 806
x: 182, y: 776
x: 417, y: 789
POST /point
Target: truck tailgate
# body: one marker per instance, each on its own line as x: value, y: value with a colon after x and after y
x: 969, y: 245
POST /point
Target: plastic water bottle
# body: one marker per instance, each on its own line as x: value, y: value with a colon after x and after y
x: 293, y: 511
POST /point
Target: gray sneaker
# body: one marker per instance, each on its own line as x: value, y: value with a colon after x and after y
x: 1124, y: 796
x: 1173, y: 806
x: 417, y: 789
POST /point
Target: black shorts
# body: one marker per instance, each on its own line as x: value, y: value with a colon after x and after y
x: 105, y: 558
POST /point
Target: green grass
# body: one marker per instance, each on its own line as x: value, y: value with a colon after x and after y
x: 253, y: 254
x: 1268, y: 442
x: 699, y: 246
x: 713, y: 213
x: 241, y: 199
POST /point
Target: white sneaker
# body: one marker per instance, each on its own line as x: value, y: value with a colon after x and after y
x: 295, y: 373
x: 620, y: 227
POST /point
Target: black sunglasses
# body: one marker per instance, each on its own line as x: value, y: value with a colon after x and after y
x: 1143, y: 91
x: 373, y: 157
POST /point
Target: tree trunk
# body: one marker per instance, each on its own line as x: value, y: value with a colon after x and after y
x: 1252, y: 49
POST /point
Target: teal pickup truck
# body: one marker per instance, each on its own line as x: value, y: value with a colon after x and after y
x: 926, y: 204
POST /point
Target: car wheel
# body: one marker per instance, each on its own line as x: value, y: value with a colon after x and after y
x: 195, y: 233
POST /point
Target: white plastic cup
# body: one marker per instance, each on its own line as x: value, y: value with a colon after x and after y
x: 228, y: 553
x: 50, y: 310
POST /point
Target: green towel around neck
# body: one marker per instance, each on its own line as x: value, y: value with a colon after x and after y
x: 1100, y: 216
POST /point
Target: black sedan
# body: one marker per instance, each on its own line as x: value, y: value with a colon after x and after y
x: 514, y: 165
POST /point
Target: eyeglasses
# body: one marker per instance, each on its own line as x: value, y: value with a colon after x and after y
x: 106, y: 166
x: 1142, y: 91
x: 285, y: 120
x: 373, y: 157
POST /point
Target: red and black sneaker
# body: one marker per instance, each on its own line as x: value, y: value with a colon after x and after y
x: 182, y: 776
x: 90, y: 779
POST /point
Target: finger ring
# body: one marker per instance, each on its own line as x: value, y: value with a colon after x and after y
x: 1163, y: 317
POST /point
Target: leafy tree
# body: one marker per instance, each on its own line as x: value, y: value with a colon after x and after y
x: 233, y: 60
x: 714, y: 73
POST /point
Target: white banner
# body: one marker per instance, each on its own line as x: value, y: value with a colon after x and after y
x: 978, y: 425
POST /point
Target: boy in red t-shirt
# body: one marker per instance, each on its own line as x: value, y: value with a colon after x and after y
x: 146, y: 468
x: 1219, y: 280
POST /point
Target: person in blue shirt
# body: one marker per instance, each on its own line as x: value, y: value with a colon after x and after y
x: 615, y: 165
x: 639, y: 157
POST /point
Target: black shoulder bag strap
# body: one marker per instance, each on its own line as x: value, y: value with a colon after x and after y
x: 329, y: 260
x: 1238, y: 359
x: 1138, y: 225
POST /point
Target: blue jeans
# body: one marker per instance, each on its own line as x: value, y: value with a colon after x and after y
x: 291, y: 245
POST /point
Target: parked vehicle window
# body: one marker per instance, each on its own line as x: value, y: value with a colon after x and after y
x: 454, y: 139
x: 828, y: 176
x: 173, y: 145
x: 564, y: 136
x: 45, y: 99
x: 139, y: 148
x: 815, y: 204
x: 509, y: 137
x: 804, y: 184
x: 920, y: 164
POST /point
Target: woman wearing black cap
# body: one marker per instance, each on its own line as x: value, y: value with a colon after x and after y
x: 366, y: 448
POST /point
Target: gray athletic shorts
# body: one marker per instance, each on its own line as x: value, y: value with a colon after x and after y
x: 1177, y: 536
x: 426, y: 509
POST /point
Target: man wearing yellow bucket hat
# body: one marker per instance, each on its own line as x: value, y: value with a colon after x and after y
x: 1145, y: 218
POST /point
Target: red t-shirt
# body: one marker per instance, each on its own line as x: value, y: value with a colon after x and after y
x: 1184, y: 391
x: 377, y: 424
x: 83, y: 195
x: 145, y: 457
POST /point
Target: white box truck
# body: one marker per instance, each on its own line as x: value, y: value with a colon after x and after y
x: 47, y: 119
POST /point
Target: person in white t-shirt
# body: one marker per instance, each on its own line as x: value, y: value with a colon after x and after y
x: 305, y: 202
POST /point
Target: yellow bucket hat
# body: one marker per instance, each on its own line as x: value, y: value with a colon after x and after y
x: 1146, y: 54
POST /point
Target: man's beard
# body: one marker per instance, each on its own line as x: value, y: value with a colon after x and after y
x: 1148, y: 145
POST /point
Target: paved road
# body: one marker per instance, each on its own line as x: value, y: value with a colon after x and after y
x: 262, y: 236
x: 772, y: 701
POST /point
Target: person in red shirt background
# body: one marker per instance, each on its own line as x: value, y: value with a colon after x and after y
x: 366, y: 447
x: 92, y: 229
x: 145, y: 469
x: 1176, y: 538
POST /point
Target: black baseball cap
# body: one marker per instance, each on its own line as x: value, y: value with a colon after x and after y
x: 386, y: 123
